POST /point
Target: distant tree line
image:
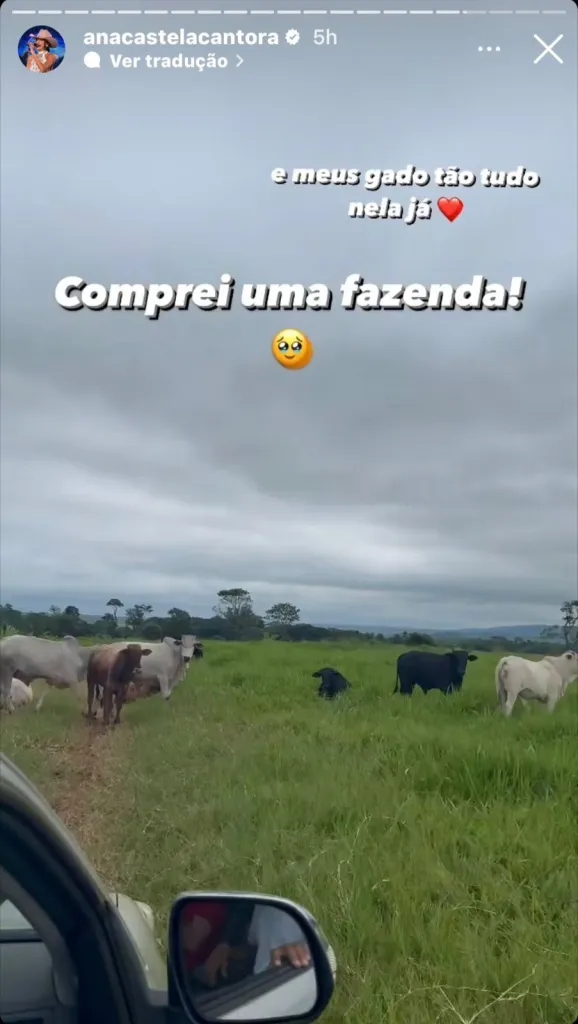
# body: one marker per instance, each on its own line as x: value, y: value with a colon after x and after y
x: 234, y: 618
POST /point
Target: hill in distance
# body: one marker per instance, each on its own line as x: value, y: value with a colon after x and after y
x: 524, y: 632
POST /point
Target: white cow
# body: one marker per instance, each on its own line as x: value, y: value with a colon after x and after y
x: 21, y: 693
x: 62, y: 663
x: 545, y: 680
x: 166, y: 666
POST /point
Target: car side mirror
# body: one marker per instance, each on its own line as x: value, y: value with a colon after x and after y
x: 241, y: 956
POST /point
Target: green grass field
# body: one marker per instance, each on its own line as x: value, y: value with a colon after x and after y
x: 435, y: 841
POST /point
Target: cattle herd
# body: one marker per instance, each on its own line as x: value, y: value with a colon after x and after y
x: 115, y: 673
x: 121, y: 672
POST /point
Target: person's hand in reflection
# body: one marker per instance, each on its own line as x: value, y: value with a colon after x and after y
x: 216, y: 965
x: 278, y: 937
x: 223, y: 957
x: 297, y: 953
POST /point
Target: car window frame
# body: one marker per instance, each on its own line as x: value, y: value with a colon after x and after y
x: 215, y: 1004
x: 44, y: 931
x: 104, y: 961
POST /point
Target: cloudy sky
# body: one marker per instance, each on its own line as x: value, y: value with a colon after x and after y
x: 423, y: 468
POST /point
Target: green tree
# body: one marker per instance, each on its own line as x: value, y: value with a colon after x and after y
x: 238, y: 621
x: 420, y: 640
x: 178, y: 622
x: 235, y: 603
x: 152, y: 631
x: 106, y: 626
x: 550, y: 633
x: 136, y: 615
x: 55, y: 610
x: 72, y: 610
x: 10, y: 618
x: 115, y: 604
x: 282, y: 614
x: 569, y: 622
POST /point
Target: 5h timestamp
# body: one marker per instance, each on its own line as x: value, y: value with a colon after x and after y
x: 324, y: 37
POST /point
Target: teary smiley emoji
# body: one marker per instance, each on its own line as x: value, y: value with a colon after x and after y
x: 292, y: 349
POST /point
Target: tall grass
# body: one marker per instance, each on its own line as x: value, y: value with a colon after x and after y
x: 435, y: 841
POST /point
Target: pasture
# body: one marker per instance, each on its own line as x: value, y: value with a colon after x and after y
x: 435, y: 841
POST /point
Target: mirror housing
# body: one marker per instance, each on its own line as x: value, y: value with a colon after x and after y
x: 262, y: 996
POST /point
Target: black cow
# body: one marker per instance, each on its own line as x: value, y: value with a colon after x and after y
x: 198, y: 651
x: 443, y: 672
x: 332, y: 683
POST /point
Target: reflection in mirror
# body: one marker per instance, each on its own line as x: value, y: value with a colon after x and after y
x: 243, y: 960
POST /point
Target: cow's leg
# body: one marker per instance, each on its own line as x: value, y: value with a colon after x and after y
x: 551, y: 702
x: 119, y: 701
x: 165, y: 687
x: 76, y: 688
x: 40, y: 701
x: 6, y: 703
x: 106, y: 705
x: 90, y: 688
x: 508, y: 705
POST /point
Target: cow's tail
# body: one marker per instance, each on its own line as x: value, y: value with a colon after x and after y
x: 501, y: 680
x: 396, y: 688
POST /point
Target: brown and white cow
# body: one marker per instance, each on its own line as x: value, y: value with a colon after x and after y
x: 112, y: 669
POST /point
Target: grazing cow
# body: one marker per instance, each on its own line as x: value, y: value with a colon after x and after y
x: 198, y: 651
x: 21, y: 693
x: 443, y: 672
x: 112, y: 668
x: 61, y: 663
x: 332, y: 683
x: 545, y: 681
x: 164, y: 667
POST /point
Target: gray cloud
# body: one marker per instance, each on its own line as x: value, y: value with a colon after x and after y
x: 422, y: 469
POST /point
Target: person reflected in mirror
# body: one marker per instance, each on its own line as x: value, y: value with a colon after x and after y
x: 225, y: 943
x: 214, y: 943
x: 278, y: 938
x: 199, y: 922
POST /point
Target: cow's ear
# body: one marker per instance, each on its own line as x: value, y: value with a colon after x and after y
x: 145, y: 651
x: 472, y: 657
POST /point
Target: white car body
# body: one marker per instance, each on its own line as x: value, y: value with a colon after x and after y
x: 36, y: 977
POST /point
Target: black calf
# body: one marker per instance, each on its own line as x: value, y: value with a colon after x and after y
x: 332, y: 683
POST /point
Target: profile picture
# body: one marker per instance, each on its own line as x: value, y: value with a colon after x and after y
x: 41, y: 49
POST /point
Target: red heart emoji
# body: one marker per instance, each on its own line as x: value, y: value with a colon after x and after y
x: 451, y: 208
